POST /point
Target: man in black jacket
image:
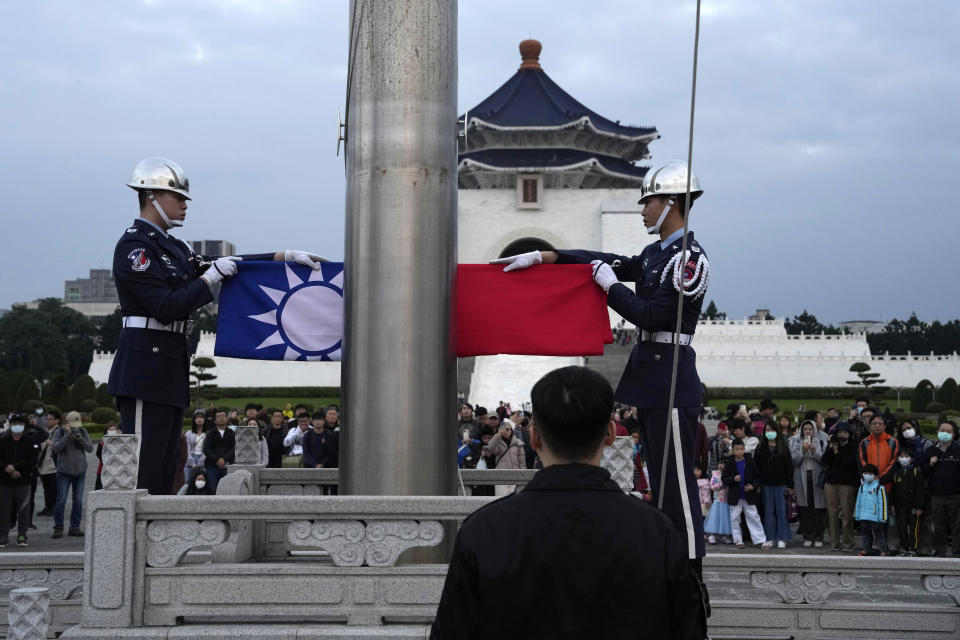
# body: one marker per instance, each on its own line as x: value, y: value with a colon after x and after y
x: 18, y: 460
x: 218, y: 448
x: 584, y: 560
x: 842, y: 475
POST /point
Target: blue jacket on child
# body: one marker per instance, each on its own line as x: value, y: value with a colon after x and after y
x: 871, y: 502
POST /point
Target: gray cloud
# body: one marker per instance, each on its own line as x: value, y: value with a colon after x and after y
x: 825, y: 132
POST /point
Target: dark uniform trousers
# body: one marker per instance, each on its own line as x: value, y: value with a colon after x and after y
x: 653, y: 432
x: 158, y: 428
x: 645, y: 383
x: 158, y: 277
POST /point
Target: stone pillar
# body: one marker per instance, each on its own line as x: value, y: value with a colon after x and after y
x: 247, y: 451
x: 109, y: 570
x: 29, y: 613
x: 618, y: 460
x: 119, y: 462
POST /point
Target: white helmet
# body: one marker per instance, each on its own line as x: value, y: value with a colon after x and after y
x: 158, y: 173
x: 669, y: 179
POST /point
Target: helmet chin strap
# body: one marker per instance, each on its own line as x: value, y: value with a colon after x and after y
x: 655, y: 229
x: 163, y: 214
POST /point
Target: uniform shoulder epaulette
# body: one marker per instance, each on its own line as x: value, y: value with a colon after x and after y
x: 691, y: 268
x: 133, y: 230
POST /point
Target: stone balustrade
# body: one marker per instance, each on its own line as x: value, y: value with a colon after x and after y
x: 60, y: 573
x: 154, y: 563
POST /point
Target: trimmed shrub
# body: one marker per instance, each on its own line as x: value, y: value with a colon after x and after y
x: 935, y: 407
x: 103, y: 415
x: 88, y: 405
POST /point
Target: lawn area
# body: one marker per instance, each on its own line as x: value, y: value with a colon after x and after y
x: 821, y: 404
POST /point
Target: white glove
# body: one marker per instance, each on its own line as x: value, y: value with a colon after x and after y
x: 520, y: 261
x: 303, y: 257
x: 220, y: 269
x: 603, y: 275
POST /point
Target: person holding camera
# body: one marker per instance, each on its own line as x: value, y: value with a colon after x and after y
x: 71, y: 444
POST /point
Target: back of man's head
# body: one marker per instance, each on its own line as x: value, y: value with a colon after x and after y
x: 571, y: 411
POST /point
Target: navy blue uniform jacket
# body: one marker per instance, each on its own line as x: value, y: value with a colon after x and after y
x: 157, y: 277
x: 645, y: 383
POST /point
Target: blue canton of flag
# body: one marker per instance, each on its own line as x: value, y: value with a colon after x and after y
x: 281, y: 311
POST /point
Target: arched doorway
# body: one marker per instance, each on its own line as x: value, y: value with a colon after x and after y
x: 524, y: 245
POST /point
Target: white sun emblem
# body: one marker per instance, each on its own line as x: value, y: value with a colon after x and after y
x: 308, y: 317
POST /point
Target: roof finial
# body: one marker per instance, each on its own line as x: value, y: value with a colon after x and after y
x: 530, y: 52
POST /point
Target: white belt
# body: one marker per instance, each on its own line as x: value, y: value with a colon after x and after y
x: 141, y: 322
x: 665, y: 337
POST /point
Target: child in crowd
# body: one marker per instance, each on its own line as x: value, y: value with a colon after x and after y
x: 871, y: 513
x: 717, y: 522
x: 742, y: 478
x: 908, y: 498
x: 703, y: 485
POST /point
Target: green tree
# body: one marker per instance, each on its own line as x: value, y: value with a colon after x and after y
x: 56, y: 391
x: 79, y: 331
x: 869, y: 380
x: 711, y: 313
x: 4, y: 392
x: 109, y: 333
x: 83, y: 389
x: 922, y: 396
x: 808, y: 324
x: 947, y: 393
x: 203, y: 363
x: 104, y: 399
x: 30, y: 342
x: 26, y: 391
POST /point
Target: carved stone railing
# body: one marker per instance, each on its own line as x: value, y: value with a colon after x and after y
x: 60, y: 573
x: 832, y: 596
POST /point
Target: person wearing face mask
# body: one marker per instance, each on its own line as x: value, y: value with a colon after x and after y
x: 661, y: 276
x: 942, y: 463
x: 218, y: 450
x: 912, y: 440
x: 161, y: 282
x: 842, y: 481
x: 908, y: 499
x: 198, y: 485
x: 871, y: 512
x: 18, y: 460
x: 776, y: 472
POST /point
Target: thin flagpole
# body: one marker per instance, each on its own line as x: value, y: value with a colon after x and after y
x: 672, y: 429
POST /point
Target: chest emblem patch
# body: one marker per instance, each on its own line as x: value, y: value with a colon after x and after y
x: 139, y: 260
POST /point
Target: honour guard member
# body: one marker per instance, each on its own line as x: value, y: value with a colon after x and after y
x: 661, y: 275
x: 160, y: 283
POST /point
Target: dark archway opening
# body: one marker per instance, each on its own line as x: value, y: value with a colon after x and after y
x: 524, y: 245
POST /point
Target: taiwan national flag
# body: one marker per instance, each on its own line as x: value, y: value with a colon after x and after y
x: 281, y: 311
x: 284, y: 311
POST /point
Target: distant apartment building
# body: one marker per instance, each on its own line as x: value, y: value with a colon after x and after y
x: 213, y: 247
x: 99, y: 287
x: 96, y: 296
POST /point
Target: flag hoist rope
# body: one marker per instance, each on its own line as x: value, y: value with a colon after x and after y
x: 673, y: 421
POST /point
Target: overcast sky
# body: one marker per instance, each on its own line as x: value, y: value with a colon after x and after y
x: 826, y: 132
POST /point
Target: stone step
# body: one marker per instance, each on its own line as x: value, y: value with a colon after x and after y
x: 253, y: 631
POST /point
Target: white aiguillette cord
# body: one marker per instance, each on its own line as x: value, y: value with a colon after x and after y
x: 673, y: 426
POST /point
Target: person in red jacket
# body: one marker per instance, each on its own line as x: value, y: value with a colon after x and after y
x: 881, y: 450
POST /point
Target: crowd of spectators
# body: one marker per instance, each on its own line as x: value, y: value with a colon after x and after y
x: 832, y: 477
x: 291, y: 439
x: 42, y: 447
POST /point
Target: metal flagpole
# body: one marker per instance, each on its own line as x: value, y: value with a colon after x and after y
x: 673, y: 426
